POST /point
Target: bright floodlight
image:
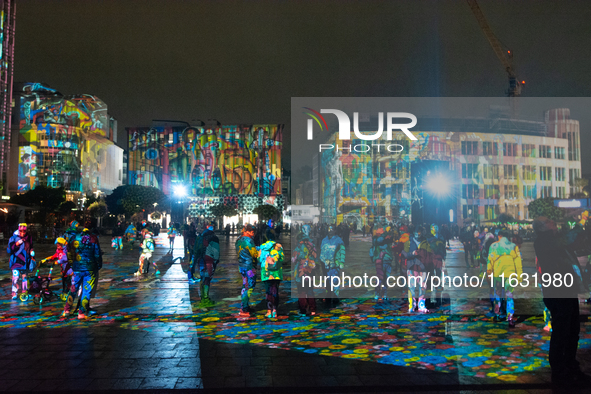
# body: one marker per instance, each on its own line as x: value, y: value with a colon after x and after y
x: 438, y: 184
x: 180, y: 191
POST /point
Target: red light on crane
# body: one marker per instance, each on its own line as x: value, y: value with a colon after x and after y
x: 523, y: 82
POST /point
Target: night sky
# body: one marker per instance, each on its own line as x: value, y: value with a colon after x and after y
x: 242, y: 62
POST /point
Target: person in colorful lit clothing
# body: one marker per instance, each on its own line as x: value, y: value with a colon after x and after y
x: 303, y: 259
x: 437, y: 245
x: 382, y: 256
x: 332, y: 255
x: 146, y: 256
x: 84, y: 253
x: 130, y: 234
x: 20, y: 248
x: 398, y: 248
x: 271, y: 259
x: 489, y: 239
x: 418, y: 255
x: 206, y: 255
x: 504, y: 259
x: 61, y: 257
x: 247, y: 261
x: 171, y: 236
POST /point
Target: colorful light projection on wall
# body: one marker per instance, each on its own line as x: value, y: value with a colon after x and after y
x: 218, y: 161
x: 360, y: 187
x: 62, y: 140
x: 41, y: 104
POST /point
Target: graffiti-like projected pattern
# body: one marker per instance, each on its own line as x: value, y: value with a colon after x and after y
x: 42, y: 104
x: 488, y: 171
x: 62, y: 140
x: 218, y: 161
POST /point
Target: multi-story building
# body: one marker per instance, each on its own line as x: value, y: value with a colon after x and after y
x: 7, y: 17
x: 491, y: 166
x: 238, y: 165
x: 63, y: 141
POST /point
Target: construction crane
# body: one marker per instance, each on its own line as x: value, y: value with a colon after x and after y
x: 504, y: 55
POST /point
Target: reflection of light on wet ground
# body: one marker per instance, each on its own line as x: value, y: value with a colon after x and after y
x: 462, y: 341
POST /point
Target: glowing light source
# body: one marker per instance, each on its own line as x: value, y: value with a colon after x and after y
x: 180, y: 191
x: 438, y: 184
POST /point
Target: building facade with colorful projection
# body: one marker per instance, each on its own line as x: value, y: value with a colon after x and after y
x: 485, y: 171
x: 238, y: 165
x: 63, y: 141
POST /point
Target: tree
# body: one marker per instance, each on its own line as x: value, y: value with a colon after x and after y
x: 545, y: 207
x: 220, y: 210
x: 98, y: 209
x: 266, y: 212
x: 583, y: 185
x: 66, y: 207
x: 130, y: 199
x: 48, y: 199
x: 505, y: 218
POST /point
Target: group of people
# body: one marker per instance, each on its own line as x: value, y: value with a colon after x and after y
x: 79, y: 255
x: 414, y: 251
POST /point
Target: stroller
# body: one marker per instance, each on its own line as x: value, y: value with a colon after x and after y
x: 39, y: 288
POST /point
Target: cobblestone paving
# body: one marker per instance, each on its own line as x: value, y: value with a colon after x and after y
x: 150, y: 333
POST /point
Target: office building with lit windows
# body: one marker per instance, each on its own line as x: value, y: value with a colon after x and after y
x: 490, y: 167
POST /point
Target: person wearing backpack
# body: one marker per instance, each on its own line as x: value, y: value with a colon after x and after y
x: 206, y: 255
x: 271, y: 259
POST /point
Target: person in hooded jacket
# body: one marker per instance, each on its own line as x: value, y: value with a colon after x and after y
x: 504, y: 259
x: 20, y: 249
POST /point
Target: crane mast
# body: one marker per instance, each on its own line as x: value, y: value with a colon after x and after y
x: 505, y: 56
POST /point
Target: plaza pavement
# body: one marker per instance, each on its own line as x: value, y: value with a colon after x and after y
x: 149, y: 333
